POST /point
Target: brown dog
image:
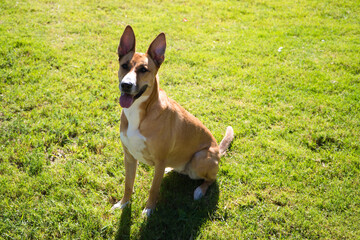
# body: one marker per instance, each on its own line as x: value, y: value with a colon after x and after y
x: 155, y: 129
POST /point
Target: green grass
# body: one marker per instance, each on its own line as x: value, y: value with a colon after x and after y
x: 292, y: 171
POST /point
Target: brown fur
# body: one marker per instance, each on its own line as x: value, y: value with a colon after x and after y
x: 174, y: 137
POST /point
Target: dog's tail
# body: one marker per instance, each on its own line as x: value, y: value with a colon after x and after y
x: 225, y: 143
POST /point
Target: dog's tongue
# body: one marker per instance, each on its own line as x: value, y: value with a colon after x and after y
x: 126, y: 100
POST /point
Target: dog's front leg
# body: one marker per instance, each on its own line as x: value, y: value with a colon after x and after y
x: 155, y: 188
x: 130, y: 173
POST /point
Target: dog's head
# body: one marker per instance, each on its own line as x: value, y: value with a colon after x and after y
x: 137, y: 72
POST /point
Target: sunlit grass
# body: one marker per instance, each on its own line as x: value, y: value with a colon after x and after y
x: 283, y: 74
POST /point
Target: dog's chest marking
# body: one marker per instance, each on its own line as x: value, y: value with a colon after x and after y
x: 133, y: 140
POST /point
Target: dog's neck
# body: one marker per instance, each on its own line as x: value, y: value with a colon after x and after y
x: 153, y: 97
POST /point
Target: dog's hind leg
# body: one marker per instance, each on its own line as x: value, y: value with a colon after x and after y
x: 201, y: 190
x: 204, y: 165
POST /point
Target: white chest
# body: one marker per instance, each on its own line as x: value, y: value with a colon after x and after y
x: 132, y: 139
x: 135, y: 144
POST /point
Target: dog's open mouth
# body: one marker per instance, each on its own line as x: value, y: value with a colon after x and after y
x: 126, y: 99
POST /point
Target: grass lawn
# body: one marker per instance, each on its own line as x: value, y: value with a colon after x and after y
x: 284, y: 74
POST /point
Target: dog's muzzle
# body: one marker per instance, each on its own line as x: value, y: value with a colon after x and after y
x: 127, y: 99
x: 126, y: 87
x: 128, y: 83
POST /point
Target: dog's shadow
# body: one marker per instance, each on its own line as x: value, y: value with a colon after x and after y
x: 177, y: 215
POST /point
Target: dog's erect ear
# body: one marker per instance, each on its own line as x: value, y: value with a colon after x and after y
x: 127, y: 42
x: 157, y: 49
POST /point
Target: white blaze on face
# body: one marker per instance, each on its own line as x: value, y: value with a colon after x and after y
x: 129, y: 78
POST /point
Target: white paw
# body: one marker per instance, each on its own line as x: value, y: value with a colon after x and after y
x: 147, y: 212
x: 198, y: 193
x: 119, y: 205
x: 168, y: 169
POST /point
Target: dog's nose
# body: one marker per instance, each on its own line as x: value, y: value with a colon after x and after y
x: 126, y: 87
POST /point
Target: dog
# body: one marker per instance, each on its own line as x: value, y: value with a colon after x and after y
x: 155, y: 129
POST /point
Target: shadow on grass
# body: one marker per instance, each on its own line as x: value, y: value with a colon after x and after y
x: 123, y: 233
x: 177, y: 215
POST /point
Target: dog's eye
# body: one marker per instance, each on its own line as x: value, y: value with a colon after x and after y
x: 125, y: 66
x: 143, y: 70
